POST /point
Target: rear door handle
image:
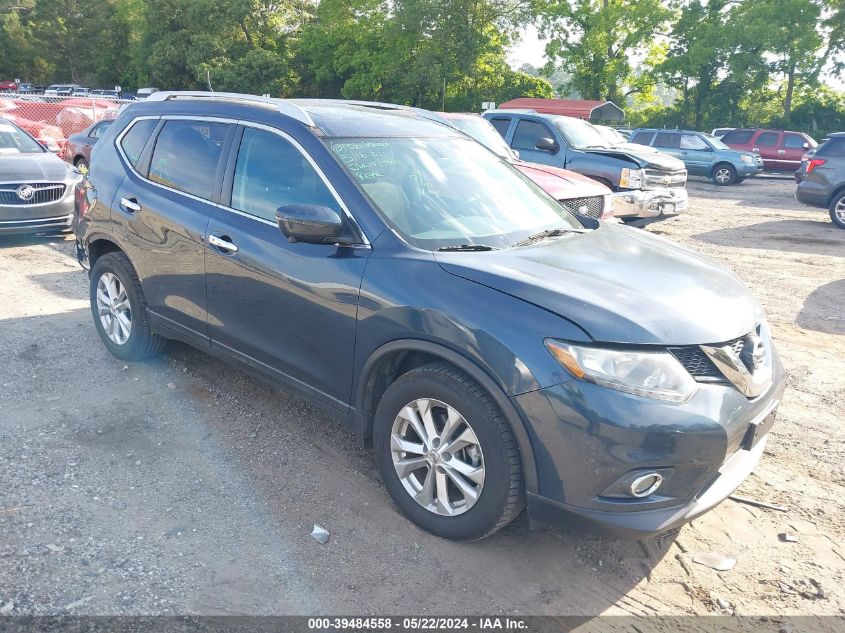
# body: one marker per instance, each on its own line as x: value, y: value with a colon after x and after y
x: 130, y: 205
x: 755, y: 149
x: 222, y: 243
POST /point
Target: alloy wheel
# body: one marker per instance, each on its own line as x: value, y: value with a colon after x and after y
x: 723, y: 175
x: 839, y: 210
x: 113, y: 308
x: 437, y: 457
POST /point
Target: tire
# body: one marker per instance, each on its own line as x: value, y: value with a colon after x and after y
x: 492, y: 463
x: 739, y: 180
x: 837, y: 209
x: 724, y: 174
x: 126, y: 297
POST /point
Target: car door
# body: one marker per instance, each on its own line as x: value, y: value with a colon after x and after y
x: 286, y: 309
x: 164, y: 209
x: 792, y: 148
x: 696, y: 154
x: 527, y: 133
x: 766, y: 144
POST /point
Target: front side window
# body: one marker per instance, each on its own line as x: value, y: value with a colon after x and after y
x: 271, y: 173
x: 134, y: 141
x: 793, y: 141
x: 767, y: 139
x: 528, y: 133
x: 439, y: 192
x: 693, y: 142
x: 669, y: 140
x: 186, y: 155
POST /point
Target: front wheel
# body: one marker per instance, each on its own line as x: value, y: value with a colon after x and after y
x: 837, y: 210
x: 724, y: 174
x: 447, y: 455
x: 119, y: 309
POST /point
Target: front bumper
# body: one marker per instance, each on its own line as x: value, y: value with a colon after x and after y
x: 587, y: 437
x: 649, y: 203
x: 39, y: 218
x: 746, y: 170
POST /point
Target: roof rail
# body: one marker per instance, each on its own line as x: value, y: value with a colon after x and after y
x: 284, y: 106
x: 376, y: 105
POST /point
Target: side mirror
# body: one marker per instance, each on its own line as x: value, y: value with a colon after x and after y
x: 310, y: 223
x: 547, y: 144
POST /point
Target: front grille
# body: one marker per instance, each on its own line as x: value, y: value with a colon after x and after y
x: 592, y: 206
x: 699, y: 365
x: 42, y: 193
x: 657, y: 179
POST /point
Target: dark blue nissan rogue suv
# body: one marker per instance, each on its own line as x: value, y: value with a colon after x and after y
x: 498, y: 351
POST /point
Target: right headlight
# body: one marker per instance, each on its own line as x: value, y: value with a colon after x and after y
x: 746, y: 158
x: 632, y: 179
x: 651, y: 374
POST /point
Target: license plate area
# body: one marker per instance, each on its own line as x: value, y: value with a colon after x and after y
x: 759, y: 427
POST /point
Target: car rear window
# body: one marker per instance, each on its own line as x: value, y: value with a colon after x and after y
x: 136, y: 138
x: 642, y: 138
x: 767, y: 139
x: 186, y: 155
x: 833, y: 148
x: 737, y: 137
x: 667, y: 139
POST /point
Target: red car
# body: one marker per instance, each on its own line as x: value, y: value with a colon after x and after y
x: 781, y: 150
x: 575, y: 192
x: 8, y: 85
x: 78, y: 147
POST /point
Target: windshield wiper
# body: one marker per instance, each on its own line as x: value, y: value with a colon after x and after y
x: 466, y: 248
x: 548, y: 233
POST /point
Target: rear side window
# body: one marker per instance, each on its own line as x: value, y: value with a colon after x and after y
x: 767, y: 139
x: 100, y: 129
x: 501, y: 125
x: 186, y: 155
x: 528, y: 133
x: 693, y: 141
x: 271, y: 173
x: 833, y: 147
x: 667, y: 139
x: 136, y: 138
x: 738, y: 137
x: 642, y: 138
x: 794, y: 141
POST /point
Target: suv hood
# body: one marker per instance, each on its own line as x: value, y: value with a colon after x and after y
x: 44, y: 166
x: 621, y: 285
x: 645, y: 157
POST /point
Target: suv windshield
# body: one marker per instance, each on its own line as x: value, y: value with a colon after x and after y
x: 483, y: 131
x: 15, y: 141
x: 580, y: 134
x: 441, y: 192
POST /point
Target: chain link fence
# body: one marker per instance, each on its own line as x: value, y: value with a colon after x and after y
x: 51, y: 120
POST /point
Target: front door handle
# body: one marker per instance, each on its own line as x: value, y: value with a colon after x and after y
x: 781, y: 151
x: 222, y: 243
x: 130, y: 205
x: 755, y: 149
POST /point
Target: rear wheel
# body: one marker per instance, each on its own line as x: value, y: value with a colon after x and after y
x: 446, y: 454
x: 837, y: 210
x: 119, y: 309
x: 724, y: 174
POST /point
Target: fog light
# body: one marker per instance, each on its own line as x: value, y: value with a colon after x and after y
x: 644, y: 485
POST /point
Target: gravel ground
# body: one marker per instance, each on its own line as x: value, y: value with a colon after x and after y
x: 183, y: 486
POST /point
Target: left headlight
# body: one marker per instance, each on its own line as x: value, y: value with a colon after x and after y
x: 651, y: 374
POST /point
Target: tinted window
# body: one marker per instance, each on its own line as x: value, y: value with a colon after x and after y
x: 667, y: 139
x: 738, y: 137
x: 136, y: 138
x: 833, y: 147
x: 642, y: 138
x: 767, y: 139
x: 186, y: 155
x: 100, y: 129
x: 271, y: 173
x: 693, y: 141
x: 795, y: 141
x: 528, y: 133
x: 501, y: 125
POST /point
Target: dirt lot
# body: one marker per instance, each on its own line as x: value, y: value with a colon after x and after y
x: 183, y: 486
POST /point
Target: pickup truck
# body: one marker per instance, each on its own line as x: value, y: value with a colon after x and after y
x: 645, y: 183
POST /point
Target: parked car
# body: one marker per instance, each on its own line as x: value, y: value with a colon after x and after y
x: 719, y: 132
x: 703, y: 154
x: 78, y: 147
x: 780, y: 150
x: 8, y: 85
x: 106, y: 94
x: 80, y: 92
x: 644, y: 183
x: 143, y: 93
x: 60, y: 90
x: 30, y: 89
x: 575, y: 192
x: 498, y: 350
x: 36, y: 186
x: 823, y: 182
